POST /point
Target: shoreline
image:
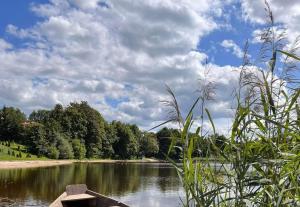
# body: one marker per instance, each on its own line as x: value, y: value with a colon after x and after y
x: 16, y: 164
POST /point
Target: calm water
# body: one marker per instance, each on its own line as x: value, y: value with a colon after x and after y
x: 146, y: 185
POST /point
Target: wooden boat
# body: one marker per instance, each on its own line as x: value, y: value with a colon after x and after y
x: 80, y: 196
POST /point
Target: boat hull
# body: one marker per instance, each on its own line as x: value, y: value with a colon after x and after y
x: 80, y: 196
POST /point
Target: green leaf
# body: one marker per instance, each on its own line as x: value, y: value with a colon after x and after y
x: 289, y: 54
x: 211, y: 121
x: 269, y: 95
x: 193, y: 106
x: 272, y: 61
x: 260, y: 125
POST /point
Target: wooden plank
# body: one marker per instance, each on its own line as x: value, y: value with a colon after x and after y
x: 106, y: 201
x: 57, y: 202
x: 83, y: 196
x: 76, y: 189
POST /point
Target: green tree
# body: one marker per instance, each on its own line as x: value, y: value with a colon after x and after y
x: 41, y: 116
x: 149, y: 145
x: 64, y: 147
x: 78, y: 148
x: 35, y: 138
x: 126, y: 145
x: 108, y: 141
x: 165, y: 136
x: 84, y: 122
x: 53, y: 152
x: 137, y: 134
x: 11, y: 120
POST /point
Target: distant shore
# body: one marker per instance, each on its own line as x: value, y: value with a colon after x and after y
x: 46, y: 163
x: 32, y: 163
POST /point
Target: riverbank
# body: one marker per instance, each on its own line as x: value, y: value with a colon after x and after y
x: 32, y: 163
x: 46, y: 163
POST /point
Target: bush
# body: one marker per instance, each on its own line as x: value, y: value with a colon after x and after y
x: 79, y: 149
x: 53, y: 153
x: 149, y: 145
x: 64, y: 147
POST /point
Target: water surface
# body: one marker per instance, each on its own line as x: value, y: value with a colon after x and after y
x: 147, y: 185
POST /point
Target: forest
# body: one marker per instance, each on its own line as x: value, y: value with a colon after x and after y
x: 78, y: 131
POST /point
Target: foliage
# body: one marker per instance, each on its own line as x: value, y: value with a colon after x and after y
x: 79, y: 131
x: 11, y: 120
x: 164, y: 137
x: 19, y: 150
x: 64, y: 147
x: 126, y: 145
x: 149, y: 145
x: 110, y: 139
x: 259, y: 163
x: 79, y: 149
x: 36, y: 139
x: 53, y: 152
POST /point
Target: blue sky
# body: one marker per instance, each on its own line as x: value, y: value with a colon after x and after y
x: 17, y: 13
x: 118, y: 55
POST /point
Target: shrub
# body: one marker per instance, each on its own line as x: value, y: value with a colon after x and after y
x: 53, y: 153
x: 79, y: 149
x: 64, y: 147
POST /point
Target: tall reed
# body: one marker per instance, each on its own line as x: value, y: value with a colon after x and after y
x: 260, y: 164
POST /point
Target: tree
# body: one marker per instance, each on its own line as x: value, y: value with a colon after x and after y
x: 64, y: 147
x: 35, y: 139
x: 164, y: 137
x: 77, y: 131
x: 41, y: 116
x: 78, y: 148
x: 149, y: 145
x: 11, y: 120
x: 53, y: 152
x: 109, y: 140
x: 84, y: 122
x: 126, y: 146
x: 137, y: 134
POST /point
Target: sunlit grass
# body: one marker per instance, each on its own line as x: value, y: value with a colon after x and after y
x: 16, y: 152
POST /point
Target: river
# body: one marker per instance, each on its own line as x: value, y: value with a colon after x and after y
x: 146, y: 185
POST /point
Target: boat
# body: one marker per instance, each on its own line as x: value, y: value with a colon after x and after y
x: 80, y: 196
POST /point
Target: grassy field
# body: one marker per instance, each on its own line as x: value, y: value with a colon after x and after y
x: 16, y: 152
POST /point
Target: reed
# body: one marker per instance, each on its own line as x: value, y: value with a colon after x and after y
x: 259, y: 165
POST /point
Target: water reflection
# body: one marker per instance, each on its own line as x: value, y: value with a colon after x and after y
x: 136, y: 184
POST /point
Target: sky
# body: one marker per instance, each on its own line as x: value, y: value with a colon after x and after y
x: 119, y: 55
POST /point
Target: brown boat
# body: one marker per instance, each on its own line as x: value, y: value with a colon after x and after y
x: 80, y: 196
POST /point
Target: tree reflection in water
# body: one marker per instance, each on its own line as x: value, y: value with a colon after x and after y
x: 40, y: 186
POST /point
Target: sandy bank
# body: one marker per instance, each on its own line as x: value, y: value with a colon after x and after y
x: 145, y: 160
x: 46, y: 163
x: 33, y: 163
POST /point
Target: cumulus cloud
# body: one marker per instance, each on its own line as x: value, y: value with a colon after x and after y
x: 286, y: 13
x: 4, y: 45
x: 231, y: 46
x: 114, y: 51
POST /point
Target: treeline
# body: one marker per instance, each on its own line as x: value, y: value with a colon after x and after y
x: 79, y: 131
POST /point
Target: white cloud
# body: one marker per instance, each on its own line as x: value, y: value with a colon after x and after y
x: 81, y: 50
x: 88, y: 4
x: 230, y: 45
x: 4, y: 45
x: 285, y: 12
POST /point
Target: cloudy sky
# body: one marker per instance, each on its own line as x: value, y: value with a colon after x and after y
x: 119, y: 54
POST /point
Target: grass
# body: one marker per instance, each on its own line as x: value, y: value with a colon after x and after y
x: 260, y: 163
x: 16, y: 152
